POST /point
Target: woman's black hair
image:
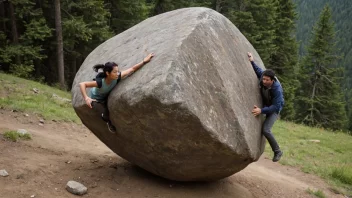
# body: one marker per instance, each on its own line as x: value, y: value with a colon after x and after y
x: 108, y: 67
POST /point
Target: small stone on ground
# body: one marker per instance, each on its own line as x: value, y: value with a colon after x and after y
x: 3, y: 173
x: 76, y: 188
x: 22, y: 131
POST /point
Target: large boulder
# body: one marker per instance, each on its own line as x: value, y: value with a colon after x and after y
x: 186, y: 115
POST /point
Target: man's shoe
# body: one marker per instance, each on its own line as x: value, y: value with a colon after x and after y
x: 111, y: 127
x: 277, y: 156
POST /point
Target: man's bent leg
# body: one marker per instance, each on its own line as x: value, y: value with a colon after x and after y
x: 268, y: 124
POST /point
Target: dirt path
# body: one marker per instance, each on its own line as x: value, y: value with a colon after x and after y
x: 60, y: 152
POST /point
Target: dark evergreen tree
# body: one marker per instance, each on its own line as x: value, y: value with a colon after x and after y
x: 256, y: 20
x: 320, y: 99
x: 23, y: 37
x: 85, y: 26
x: 126, y: 13
x: 161, y: 6
x: 284, y: 60
x: 308, y: 15
x: 27, y: 34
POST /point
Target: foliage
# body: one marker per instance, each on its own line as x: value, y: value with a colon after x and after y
x: 284, y: 60
x: 317, y: 193
x: 20, y: 57
x: 320, y: 99
x: 308, y: 15
x: 15, y: 136
x: 343, y: 174
x: 268, y: 24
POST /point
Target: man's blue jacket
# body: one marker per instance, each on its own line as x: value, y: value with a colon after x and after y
x: 276, y: 93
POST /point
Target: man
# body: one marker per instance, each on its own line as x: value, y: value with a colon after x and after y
x: 273, y: 101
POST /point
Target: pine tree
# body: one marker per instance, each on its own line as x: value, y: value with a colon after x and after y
x: 90, y: 19
x: 256, y: 20
x: 264, y: 13
x: 309, y: 13
x: 126, y: 13
x: 240, y: 13
x: 23, y: 45
x: 320, y: 99
x: 161, y: 6
x: 284, y: 60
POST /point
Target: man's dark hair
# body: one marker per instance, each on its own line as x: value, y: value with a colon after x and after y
x: 269, y: 73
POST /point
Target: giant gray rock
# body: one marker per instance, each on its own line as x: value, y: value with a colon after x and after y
x: 186, y: 115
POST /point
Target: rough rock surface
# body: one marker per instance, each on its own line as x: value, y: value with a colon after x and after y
x: 76, y: 188
x: 186, y: 115
x: 22, y: 131
x: 3, y: 173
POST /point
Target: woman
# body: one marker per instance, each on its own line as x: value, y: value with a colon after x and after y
x: 105, y: 81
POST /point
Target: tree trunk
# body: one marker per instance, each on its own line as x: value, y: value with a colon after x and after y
x: 13, y: 23
x: 60, y: 51
x: 158, y: 8
x: 40, y: 3
x: 14, y: 29
x: 74, y: 66
x: 218, y: 6
x: 242, y: 6
x: 312, y: 98
x: 2, y: 17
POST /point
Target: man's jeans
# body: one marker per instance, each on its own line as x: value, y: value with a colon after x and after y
x: 268, y: 124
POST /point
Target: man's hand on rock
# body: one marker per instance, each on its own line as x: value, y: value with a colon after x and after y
x: 250, y: 57
x: 256, y: 111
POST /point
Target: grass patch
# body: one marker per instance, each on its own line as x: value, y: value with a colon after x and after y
x: 49, y: 103
x: 343, y: 174
x: 330, y: 158
x: 317, y: 193
x: 14, y: 136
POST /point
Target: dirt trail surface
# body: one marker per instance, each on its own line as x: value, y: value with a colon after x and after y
x: 60, y: 152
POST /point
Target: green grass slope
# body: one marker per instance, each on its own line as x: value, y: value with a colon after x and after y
x: 50, y: 103
x: 330, y: 158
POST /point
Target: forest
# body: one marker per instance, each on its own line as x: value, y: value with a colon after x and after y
x: 307, y: 43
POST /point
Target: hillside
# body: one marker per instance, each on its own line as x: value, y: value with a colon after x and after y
x: 62, y: 149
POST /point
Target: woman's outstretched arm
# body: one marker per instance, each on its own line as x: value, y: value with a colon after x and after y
x: 129, y: 71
